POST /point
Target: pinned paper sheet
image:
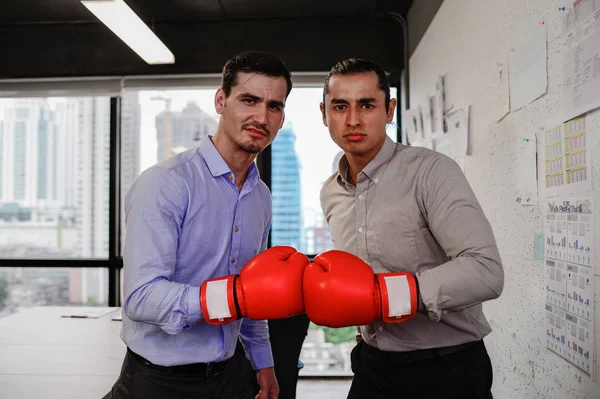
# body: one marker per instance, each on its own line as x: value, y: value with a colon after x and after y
x: 427, y: 114
x: 458, y: 131
x: 527, y: 171
x: 581, y: 59
x: 569, y: 280
x: 566, y: 148
x: 439, y: 107
x: 527, y: 69
x: 443, y: 145
x: 538, y: 246
x: 414, y: 125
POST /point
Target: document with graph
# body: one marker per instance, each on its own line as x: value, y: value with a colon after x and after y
x: 569, y: 278
x: 567, y: 158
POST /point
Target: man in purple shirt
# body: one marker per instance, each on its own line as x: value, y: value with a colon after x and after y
x: 198, y: 216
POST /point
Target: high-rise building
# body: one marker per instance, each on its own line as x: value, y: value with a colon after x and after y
x: 186, y: 127
x: 130, y: 139
x: 92, y: 198
x: 92, y: 177
x: 67, y: 124
x: 29, y: 155
x: 37, y: 220
x: 286, y: 226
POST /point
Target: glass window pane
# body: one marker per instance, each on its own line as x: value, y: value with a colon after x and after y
x: 303, y: 157
x: 54, y: 163
x: 24, y: 287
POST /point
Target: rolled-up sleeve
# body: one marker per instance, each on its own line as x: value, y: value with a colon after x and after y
x: 474, y: 271
x: 154, y: 209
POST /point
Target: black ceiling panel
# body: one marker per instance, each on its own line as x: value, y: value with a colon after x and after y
x: 43, y: 11
x: 61, y: 38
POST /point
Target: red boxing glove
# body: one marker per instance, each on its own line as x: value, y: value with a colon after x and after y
x: 269, y: 286
x: 341, y: 290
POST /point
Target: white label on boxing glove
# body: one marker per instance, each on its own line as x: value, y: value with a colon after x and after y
x: 216, y: 299
x: 398, y: 295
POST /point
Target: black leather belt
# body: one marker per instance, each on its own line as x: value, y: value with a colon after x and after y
x: 404, y: 358
x: 203, y: 369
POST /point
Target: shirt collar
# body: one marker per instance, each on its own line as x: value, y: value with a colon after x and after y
x: 215, y: 162
x: 373, y: 168
x: 217, y: 165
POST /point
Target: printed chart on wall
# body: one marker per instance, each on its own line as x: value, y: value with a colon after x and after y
x: 570, y: 281
x: 567, y: 158
x: 581, y: 77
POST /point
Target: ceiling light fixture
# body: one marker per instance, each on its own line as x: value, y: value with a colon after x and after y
x: 121, y: 19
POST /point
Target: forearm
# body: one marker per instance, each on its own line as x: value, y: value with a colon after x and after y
x: 255, y: 337
x: 462, y: 282
x: 474, y: 272
x: 166, y: 304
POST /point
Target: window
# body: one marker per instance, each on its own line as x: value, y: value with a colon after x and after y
x: 303, y: 156
x: 55, y: 175
x: 54, y: 159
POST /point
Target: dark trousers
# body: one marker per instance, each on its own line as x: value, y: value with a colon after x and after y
x: 466, y: 374
x: 287, y: 336
x: 232, y: 379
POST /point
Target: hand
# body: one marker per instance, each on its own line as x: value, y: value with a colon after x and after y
x: 341, y: 290
x: 269, y: 389
x: 269, y: 286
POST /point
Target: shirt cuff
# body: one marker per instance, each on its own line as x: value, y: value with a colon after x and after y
x: 261, y: 357
x: 194, y: 311
x: 429, y: 300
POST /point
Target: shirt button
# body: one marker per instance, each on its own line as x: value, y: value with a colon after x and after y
x: 360, y: 229
x: 380, y: 328
x: 360, y: 197
x: 236, y: 229
x: 232, y: 260
x: 229, y: 177
x: 226, y: 353
x: 376, y: 180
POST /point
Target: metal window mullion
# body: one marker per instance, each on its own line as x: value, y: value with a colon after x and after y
x: 114, y: 208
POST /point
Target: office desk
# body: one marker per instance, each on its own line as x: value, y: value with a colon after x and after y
x: 44, y: 355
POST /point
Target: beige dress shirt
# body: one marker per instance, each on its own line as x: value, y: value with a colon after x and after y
x: 413, y: 210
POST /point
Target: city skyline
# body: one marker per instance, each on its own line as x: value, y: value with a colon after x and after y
x: 54, y: 157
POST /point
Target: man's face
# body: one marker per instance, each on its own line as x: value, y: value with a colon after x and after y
x: 254, y: 111
x: 354, y: 111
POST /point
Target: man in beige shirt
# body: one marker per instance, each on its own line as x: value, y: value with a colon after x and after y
x: 415, y: 255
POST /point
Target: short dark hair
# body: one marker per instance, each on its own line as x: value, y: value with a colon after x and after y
x: 254, y: 62
x: 355, y: 66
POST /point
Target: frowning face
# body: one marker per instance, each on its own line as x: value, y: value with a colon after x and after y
x: 253, y: 112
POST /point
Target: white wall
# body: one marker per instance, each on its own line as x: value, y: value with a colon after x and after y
x: 465, y: 40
